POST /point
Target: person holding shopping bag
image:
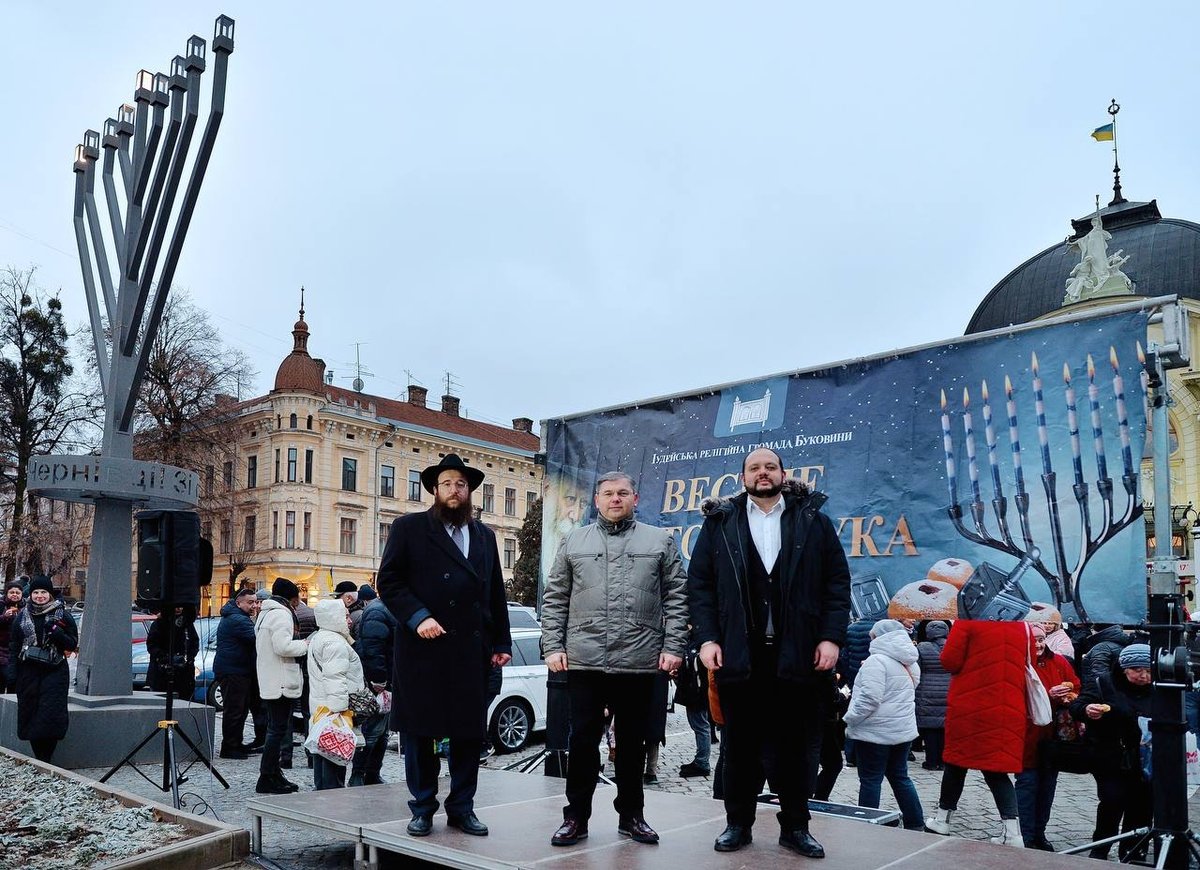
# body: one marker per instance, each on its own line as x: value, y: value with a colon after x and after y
x: 334, y: 672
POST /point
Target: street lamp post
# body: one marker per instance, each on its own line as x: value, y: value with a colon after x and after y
x: 151, y: 149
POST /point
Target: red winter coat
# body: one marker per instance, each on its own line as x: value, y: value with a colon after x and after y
x: 1052, y: 670
x: 985, y: 709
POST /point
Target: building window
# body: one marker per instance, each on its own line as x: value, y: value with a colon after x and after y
x: 489, y: 498
x: 289, y: 530
x: 510, y: 552
x: 530, y: 498
x: 510, y: 501
x: 251, y: 472
x: 226, y: 536
x: 349, y: 531
x: 277, y: 465
x: 274, y: 530
x: 310, y: 422
x: 414, y: 486
x: 387, y: 481
x: 291, y: 466
x: 292, y: 422
x: 308, y: 464
x: 349, y: 475
x: 209, y: 478
x: 249, y: 536
x: 384, y: 530
x: 227, y: 474
x: 307, y: 530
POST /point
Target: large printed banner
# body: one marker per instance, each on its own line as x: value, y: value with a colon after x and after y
x: 974, y: 479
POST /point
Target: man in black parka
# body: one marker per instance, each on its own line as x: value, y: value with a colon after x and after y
x: 440, y: 577
x: 769, y: 594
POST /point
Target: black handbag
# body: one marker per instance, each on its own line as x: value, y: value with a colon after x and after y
x: 42, y: 655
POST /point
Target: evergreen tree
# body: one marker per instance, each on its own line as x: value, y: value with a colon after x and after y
x: 524, y: 586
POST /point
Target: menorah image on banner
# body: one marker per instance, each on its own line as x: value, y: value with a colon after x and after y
x: 991, y: 593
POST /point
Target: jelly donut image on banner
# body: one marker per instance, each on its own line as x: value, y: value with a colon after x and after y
x: 956, y: 572
x: 924, y: 599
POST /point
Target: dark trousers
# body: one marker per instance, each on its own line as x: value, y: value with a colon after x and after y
x: 43, y: 748
x: 876, y: 762
x: 421, y: 769
x: 326, y: 774
x: 771, y: 726
x: 1127, y: 802
x: 999, y: 784
x: 1035, y: 797
x: 279, y: 728
x: 833, y: 738
x: 368, y: 759
x: 236, y: 697
x: 628, y: 697
x: 935, y: 742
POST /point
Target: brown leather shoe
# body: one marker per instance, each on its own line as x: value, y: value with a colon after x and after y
x: 636, y: 828
x: 571, y: 832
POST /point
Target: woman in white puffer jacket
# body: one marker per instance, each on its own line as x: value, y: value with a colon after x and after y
x: 882, y: 720
x: 334, y: 671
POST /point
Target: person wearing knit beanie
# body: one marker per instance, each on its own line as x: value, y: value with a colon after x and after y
x: 1136, y: 655
x: 284, y: 588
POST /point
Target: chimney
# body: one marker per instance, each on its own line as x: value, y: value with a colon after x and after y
x: 416, y: 395
x: 522, y: 424
x: 450, y: 405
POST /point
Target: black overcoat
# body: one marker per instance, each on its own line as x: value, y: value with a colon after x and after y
x: 42, y: 689
x: 440, y: 684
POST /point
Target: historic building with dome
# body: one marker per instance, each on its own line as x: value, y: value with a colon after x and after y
x: 1146, y: 255
x: 316, y: 474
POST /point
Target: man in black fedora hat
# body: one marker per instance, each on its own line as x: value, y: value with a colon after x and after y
x: 440, y: 577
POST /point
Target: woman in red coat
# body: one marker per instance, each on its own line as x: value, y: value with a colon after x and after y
x: 1036, y: 785
x: 985, y: 716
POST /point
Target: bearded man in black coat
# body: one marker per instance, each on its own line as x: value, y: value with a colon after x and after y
x: 440, y: 577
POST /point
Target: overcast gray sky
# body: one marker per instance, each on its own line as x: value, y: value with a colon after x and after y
x: 573, y: 205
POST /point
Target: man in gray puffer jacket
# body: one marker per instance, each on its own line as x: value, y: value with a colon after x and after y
x: 614, y: 613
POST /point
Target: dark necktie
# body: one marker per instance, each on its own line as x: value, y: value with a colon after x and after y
x: 456, y: 535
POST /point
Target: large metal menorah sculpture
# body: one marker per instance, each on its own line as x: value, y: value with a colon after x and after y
x: 1064, y: 580
x: 151, y: 149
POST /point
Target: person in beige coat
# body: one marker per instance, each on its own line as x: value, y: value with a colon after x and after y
x: 334, y: 671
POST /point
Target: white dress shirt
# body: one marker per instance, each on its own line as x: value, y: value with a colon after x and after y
x: 466, y: 537
x: 764, y: 530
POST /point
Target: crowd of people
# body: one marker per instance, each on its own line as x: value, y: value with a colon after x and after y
x: 755, y: 633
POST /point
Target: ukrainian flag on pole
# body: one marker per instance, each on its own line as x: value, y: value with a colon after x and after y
x: 1103, y: 134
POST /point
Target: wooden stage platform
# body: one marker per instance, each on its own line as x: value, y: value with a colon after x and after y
x: 523, y: 810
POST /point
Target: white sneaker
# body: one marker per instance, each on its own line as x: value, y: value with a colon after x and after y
x: 940, y: 823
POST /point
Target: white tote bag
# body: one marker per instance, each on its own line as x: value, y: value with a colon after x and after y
x: 1037, y: 700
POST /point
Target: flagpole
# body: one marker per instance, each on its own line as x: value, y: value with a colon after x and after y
x: 1117, y: 199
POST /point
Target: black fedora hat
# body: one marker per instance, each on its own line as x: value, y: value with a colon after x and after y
x: 451, y: 462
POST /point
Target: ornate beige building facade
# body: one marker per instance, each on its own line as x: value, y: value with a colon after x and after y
x: 315, y: 474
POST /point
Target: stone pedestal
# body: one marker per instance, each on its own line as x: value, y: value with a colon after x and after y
x: 104, y: 728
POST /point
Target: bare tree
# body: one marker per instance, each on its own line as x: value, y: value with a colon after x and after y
x: 42, y: 410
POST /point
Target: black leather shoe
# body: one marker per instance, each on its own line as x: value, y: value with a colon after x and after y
x: 468, y: 824
x: 284, y: 782
x: 234, y: 753
x: 693, y: 769
x: 420, y: 826
x: 635, y: 828
x: 270, y: 785
x: 733, y: 838
x: 800, y: 840
x: 570, y: 833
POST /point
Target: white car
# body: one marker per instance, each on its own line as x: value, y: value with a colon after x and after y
x: 520, y: 708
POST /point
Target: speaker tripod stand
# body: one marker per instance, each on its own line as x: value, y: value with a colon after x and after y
x: 168, y: 727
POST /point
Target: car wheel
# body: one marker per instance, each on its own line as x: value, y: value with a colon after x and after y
x: 511, y: 725
x: 215, y: 696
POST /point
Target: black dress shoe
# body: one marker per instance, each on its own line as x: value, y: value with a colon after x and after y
x: 234, y: 753
x: 270, y: 785
x: 693, y: 769
x: 570, y: 833
x: 800, y: 840
x: 733, y: 838
x: 635, y: 827
x: 420, y: 826
x: 468, y: 824
x: 284, y: 782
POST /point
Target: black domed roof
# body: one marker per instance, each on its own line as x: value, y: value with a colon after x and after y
x: 1164, y: 258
